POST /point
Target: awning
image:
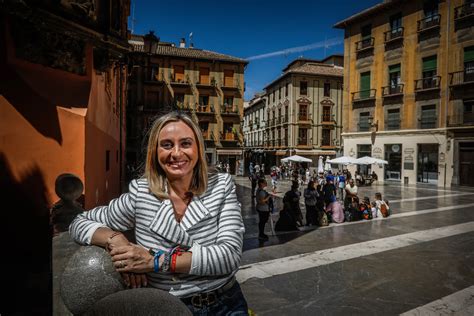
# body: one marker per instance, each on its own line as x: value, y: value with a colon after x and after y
x: 315, y: 152
x: 237, y: 152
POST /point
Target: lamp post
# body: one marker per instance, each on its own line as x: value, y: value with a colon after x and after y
x: 150, y: 42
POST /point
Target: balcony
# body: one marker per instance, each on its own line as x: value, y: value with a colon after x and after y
x: 466, y: 118
x: 180, y: 80
x: 229, y: 137
x: 392, y: 90
x: 208, y: 135
x: 184, y: 107
x: 229, y: 109
x: 393, y: 35
x: 462, y: 77
x: 327, y: 143
x: 365, y: 44
x: 328, y: 119
x: 151, y: 76
x: 303, y: 143
x: 429, y: 23
x: 464, y: 16
x: 461, y: 84
x: 205, y: 112
x: 304, y: 118
x: 427, y: 84
x: 363, y: 98
x: 231, y: 85
x: 209, y: 84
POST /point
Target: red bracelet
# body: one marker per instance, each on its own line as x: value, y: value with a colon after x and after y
x: 173, y: 263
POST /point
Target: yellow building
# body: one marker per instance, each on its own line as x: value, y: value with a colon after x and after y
x: 408, y: 90
x: 208, y: 86
x: 303, y: 111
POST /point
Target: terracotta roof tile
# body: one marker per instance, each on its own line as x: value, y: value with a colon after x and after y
x: 318, y: 69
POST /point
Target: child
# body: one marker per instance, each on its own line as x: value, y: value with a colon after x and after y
x: 374, y: 209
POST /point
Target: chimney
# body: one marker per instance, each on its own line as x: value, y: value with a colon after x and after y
x: 182, y: 43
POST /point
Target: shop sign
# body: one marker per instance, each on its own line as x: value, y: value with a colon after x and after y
x: 409, y: 151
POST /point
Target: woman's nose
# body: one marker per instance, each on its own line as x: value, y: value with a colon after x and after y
x: 176, y: 151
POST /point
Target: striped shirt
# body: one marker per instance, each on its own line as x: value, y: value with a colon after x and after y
x: 212, y: 227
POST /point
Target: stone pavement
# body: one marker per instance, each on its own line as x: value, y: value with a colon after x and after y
x: 417, y: 261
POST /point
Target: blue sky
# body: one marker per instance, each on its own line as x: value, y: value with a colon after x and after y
x: 247, y: 28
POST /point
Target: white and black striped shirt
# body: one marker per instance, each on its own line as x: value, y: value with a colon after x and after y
x: 212, y: 227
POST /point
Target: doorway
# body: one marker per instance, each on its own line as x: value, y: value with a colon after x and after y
x: 393, y: 154
x: 466, y: 164
x: 427, y: 169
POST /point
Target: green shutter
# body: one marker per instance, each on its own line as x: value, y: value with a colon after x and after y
x: 469, y: 54
x: 365, y: 81
x: 394, y: 68
x: 429, y: 63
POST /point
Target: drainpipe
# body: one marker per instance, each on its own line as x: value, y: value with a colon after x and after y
x: 448, y: 19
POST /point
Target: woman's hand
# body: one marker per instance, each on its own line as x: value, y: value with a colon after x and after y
x: 132, y: 258
x: 134, y: 280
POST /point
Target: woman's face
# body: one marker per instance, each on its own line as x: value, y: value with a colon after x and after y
x: 177, y: 150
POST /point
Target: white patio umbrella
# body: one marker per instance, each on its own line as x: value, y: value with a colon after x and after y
x: 296, y: 158
x: 366, y: 160
x: 320, y: 165
x: 342, y: 160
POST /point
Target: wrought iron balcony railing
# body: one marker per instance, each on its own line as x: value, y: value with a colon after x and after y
x: 427, y: 83
x: 464, y: 11
x: 393, y: 34
x: 363, y: 95
x: 429, y: 22
x: 461, y: 77
x: 392, y: 90
x: 366, y: 43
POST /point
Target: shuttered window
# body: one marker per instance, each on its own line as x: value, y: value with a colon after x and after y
x: 469, y: 54
x: 178, y: 73
x: 365, y: 85
x: 430, y: 63
x: 228, y: 78
x: 204, y: 75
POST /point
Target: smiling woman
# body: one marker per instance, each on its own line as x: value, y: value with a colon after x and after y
x: 188, y: 225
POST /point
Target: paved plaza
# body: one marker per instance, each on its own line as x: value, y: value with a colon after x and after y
x: 420, y: 260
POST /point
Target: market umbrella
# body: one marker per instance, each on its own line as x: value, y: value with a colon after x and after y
x: 366, y: 160
x: 342, y: 160
x: 327, y: 165
x: 320, y: 165
x: 296, y: 158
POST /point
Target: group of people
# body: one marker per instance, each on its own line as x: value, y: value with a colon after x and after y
x: 327, y: 198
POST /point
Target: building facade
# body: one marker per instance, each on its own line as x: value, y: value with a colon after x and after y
x: 303, y: 111
x: 408, y: 86
x: 206, y: 85
x: 63, y: 88
x: 254, y: 130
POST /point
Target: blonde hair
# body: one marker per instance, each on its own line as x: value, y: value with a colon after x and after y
x: 156, y: 176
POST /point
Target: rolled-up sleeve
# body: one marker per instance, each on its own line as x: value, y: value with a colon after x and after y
x: 119, y: 215
x: 224, y: 256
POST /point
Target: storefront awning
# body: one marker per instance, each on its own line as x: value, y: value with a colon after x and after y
x: 237, y: 152
x: 315, y: 152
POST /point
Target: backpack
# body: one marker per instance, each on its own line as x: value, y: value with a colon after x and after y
x: 384, y: 210
x: 323, y: 219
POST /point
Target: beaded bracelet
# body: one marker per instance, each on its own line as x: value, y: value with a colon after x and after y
x: 156, y: 259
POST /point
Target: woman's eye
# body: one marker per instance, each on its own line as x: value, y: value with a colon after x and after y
x: 167, y: 145
x: 186, y: 144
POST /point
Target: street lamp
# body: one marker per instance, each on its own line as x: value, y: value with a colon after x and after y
x: 374, y: 127
x: 150, y: 42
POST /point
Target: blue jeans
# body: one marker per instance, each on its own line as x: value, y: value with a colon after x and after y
x: 230, y: 303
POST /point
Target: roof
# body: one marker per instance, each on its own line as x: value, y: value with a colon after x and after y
x: 302, y: 60
x: 317, y: 69
x: 165, y: 49
x: 386, y: 4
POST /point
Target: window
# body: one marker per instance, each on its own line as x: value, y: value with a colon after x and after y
x: 287, y: 114
x: 468, y: 115
x: 326, y: 113
x: 395, y: 22
x: 228, y: 77
x: 107, y: 160
x: 179, y: 99
x: 394, y: 78
x: 303, y: 136
x: 428, y: 116
x: 327, y: 89
x: 429, y: 72
x: 178, y: 73
x: 303, y: 88
x: 366, y: 32
x: 153, y: 74
x: 393, y: 119
x: 228, y: 100
x: 203, y: 75
x: 469, y: 64
x: 303, y: 115
x: 326, y: 141
x: 203, y: 100
x: 364, y: 122
x: 430, y: 9
x: 286, y: 90
x: 365, y: 85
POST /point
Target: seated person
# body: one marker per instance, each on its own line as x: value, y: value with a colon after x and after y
x: 351, y: 192
x: 335, y: 210
x: 381, y: 205
x: 291, y: 214
x: 374, y: 176
x: 365, y: 209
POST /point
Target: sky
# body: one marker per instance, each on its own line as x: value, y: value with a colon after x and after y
x: 269, y: 33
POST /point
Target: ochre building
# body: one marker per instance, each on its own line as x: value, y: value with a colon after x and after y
x: 206, y: 85
x: 408, y: 90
